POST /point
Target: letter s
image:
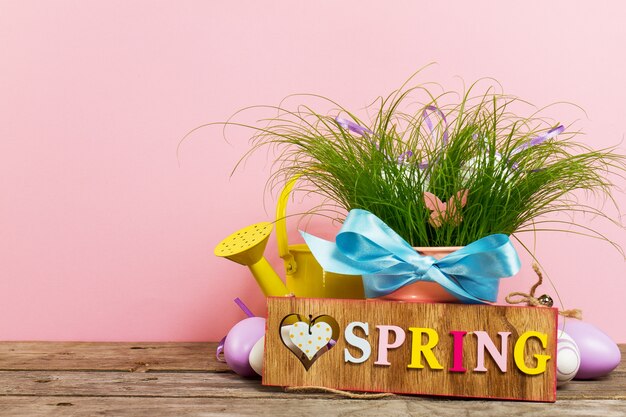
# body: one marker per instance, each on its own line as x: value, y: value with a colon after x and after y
x: 357, y: 342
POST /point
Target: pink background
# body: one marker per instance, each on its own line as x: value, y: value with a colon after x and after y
x: 103, y: 236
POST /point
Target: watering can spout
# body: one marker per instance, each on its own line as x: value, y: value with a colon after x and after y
x: 246, y: 247
x: 304, y: 275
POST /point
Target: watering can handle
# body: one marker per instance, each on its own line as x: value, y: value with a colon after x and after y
x: 281, y: 226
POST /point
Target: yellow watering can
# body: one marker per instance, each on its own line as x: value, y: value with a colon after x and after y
x: 305, y: 277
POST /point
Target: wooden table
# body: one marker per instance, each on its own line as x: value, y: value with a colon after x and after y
x: 184, y: 379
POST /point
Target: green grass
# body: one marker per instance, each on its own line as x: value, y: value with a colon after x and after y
x: 509, y: 192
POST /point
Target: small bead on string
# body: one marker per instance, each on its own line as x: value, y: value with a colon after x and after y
x: 541, y: 301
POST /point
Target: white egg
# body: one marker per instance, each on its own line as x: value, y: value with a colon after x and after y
x: 284, y: 333
x: 567, y: 358
x: 468, y: 171
x: 410, y: 174
x: 256, y: 356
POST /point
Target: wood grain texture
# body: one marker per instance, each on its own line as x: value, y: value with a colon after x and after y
x: 129, y: 384
x: 283, y: 368
x: 217, y: 385
x: 113, y: 356
x: 302, y: 406
x: 40, y: 384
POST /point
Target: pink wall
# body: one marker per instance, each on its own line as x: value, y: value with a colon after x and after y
x: 103, y: 236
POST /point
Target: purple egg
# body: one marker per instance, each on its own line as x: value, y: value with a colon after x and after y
x: 239, y: 342
x: 599, y: 354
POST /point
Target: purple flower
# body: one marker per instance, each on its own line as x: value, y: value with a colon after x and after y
x: 403, y: 157
x: 349, y: 125
x: 429, y: 123
x: 539, y: 139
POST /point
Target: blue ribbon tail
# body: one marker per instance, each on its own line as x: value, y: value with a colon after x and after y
x: 330, y: 257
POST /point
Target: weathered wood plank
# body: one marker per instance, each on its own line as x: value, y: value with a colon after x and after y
x: 52, y: 357
x: 213, y: 385
x: 113, y: 356
x: 124, y: 384
x: 50, y: 379
x: 185, y: 407
x: 133, y: 357
x: 610, y: 387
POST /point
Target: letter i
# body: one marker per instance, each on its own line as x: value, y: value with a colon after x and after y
x: 457, y: 364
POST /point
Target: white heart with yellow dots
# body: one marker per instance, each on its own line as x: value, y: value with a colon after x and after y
x: 310, y: 339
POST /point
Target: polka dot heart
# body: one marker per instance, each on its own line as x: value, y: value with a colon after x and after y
x: 310, y: 339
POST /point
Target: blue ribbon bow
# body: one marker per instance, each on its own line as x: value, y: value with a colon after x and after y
x: 366, y: 246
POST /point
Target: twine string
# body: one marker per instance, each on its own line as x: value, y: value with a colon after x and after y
x: 529, y: 298
x: 574, y: 313
x: 345, y: 394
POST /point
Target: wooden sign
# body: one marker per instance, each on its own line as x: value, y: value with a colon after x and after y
x: 412, y: 348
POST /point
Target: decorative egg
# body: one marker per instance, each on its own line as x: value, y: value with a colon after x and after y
x: 599, y: 354
x: 567, y: 359
x: 239, y: 342
x: 468, y: 170
x: 284, y: 333
x: 256, y: 356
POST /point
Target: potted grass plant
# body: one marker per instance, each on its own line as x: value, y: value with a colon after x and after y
x: 445, y: 173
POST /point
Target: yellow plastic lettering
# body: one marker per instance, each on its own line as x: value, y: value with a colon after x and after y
x: 418, y: 349
x: 520, y: 349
